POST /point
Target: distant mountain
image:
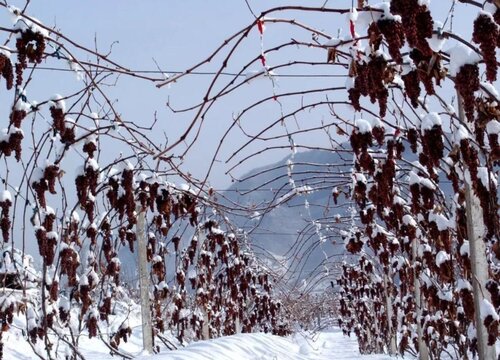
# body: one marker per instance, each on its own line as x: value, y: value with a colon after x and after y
x: 286, y: 229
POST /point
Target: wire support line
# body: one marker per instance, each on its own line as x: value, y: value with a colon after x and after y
x: 201, y: 73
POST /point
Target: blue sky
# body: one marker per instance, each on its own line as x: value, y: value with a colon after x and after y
x: 178, y: 34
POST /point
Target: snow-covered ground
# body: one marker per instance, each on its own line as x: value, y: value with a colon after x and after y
x: 326, y: 345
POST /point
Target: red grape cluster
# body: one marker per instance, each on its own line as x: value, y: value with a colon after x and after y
x: 486, y: 35
x: 5, y: 220
x: 370, y: 81
x: 417, y: 23
x: 467, y: 82
x: 6, y: 71
x: 30, y: 47
x: 394, y: 35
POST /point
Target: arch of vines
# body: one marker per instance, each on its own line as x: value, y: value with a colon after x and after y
x: 422, y: 124
x: 78, y: 205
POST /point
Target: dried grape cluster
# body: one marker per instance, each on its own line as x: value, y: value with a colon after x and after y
x: 363, y: 303
x: 6, y: 71
x: 227, y: 287
x: 428, y: 68
x: 5, y: 222
x: 394, y: 35
x: 86, y: 187
x: 370, y: 80
x: 61, y: 125
x: 467, y: 82
x: 30, y: 47
x: 433, y: 148
x: 15, y: 134
x: 486, y: 34
x: 417, y: 23
x: 412, y: 87
x: 45, y: 182
x: 47, y: 238
x: 123, y: 333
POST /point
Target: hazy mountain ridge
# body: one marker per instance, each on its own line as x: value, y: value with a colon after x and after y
x: 278, y: 229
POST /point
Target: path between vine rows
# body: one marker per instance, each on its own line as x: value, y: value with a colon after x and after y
x: 327, y: 345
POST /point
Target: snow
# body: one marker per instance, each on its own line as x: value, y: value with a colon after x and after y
x: 5, y: 51
x: 363, y: 126
x: 436, y: 42
x: 427, y: 183
x: 92, y: 163
x: 445, y: 295
x: 75, y: 217
x: 464, y: 284
x: 353, y: 15
x: 408, y: 220
x: 461, y: 55
x: 461, y: 134
x: 442, y: 257
x: 22, y: 105
x: 441, y: 221
x: 58, y: 102
x: 306, y: 189
x: 488, y: 309
x: 300, y: 190
x: 413, y: 178
x: 333, y: 42
x: 488, y: 90
x: 423, y: 248
x: 484, y: 176
x: 430, y: 120
x: 493, y: 127
x: 358, y: 177
x: 326, y: 345
x: 5, y: 196
x: 399, y: 200
x: 375, y: 122
x: 76, y: 68
x: 465, y: 248
x: 408, y: 65
x: 366, y: 17
x: 156, y: 259
x: 184, y: 187
x: 383, y: 54
x: 23, y: 23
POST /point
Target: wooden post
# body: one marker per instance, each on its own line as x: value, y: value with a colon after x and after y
x: 479, y: 264
x: 393, y: 348
x: 423, y: 352
x: 147, y: 328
